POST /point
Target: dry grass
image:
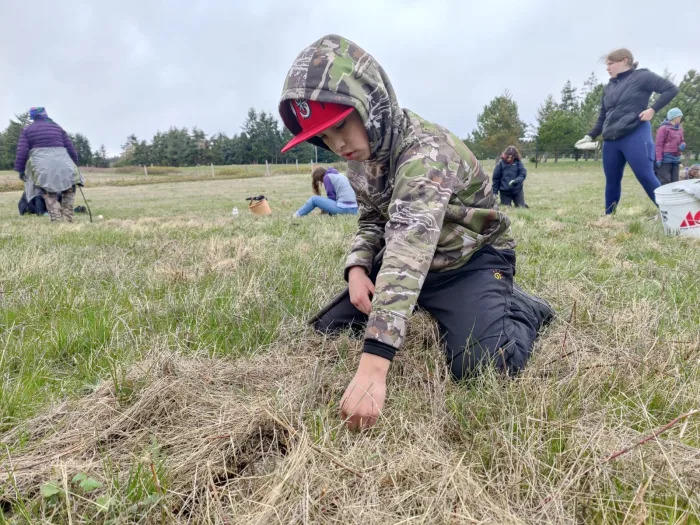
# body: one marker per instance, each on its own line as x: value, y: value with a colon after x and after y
x: 259, y: 440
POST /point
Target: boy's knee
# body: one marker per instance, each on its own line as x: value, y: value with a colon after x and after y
x: 468, y: 362
x: 506, y: 358
x: 460, y: 369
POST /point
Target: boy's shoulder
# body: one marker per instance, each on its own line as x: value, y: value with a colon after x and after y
x: 432, y: 143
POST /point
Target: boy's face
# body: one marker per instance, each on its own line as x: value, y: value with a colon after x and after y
x: 348, y: 138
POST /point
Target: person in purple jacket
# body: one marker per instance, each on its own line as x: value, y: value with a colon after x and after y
x: 624, y: 122
x: 47, y: 163
x: 669, y: 145
x: 340, y: 195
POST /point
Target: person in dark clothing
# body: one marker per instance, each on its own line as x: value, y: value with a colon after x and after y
x: 47, y: 163
x: 35, y: 206
x: 508, y: 178
x: 624, y: 120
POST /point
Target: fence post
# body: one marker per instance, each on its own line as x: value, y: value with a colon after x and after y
x: 145, y: 170
x: 212, y: 169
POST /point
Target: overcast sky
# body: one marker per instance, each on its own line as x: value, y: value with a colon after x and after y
x: 107, y: 69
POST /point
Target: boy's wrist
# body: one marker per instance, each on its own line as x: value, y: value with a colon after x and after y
x: 373, y: 365
x: 379, y: 349
x: 355, y: 269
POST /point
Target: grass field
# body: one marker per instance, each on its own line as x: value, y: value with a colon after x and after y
x: 157, y: 368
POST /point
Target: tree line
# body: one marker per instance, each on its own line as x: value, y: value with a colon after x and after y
x: 261, y: 139
x: 560, y: 123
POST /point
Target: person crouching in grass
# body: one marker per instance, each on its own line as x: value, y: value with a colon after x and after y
x: 425, y: 200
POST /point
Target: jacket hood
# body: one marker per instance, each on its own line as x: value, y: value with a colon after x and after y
x: 335, y: 69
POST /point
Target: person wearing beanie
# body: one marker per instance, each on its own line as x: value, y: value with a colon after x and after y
x: 47, y: 163
x: 669, y: 145
x: 430, y: 234
x: 624, y: 120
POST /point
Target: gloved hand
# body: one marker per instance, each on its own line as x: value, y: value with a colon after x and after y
x: 586, y: 143
x: 586, y: 138
x: 512, y: 183
x: 21, y: 175
x: 658, y: 164
x: 681, y: 147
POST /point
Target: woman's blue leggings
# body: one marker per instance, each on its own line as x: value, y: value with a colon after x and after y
x: 637, y: 149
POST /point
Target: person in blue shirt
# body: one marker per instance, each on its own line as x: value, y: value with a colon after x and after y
x: 340, y: 197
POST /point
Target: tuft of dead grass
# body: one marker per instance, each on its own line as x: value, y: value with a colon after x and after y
x: 259, y: 440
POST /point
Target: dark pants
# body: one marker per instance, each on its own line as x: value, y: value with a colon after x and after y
x: 481, y: 320
x: 668, y: 172
x: 513, y: 198
x: 637, y: 150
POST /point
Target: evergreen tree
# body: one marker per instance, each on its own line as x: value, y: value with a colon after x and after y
x: 82, y: 148
x: 590, y: 107
x: 10, y: 137
x: 569, y: 99
x: 498, y: 126
x: 557, y: 129
x: 201, y: 152
x: 99, y: 157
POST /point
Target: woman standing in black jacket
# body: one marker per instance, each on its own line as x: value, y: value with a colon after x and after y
x: 624, y: 121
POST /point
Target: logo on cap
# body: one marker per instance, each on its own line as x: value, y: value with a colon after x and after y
x: 303, y: 108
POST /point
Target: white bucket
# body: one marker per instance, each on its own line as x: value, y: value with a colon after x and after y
x: 679, y: 203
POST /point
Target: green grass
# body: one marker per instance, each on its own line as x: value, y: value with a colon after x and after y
x: 221, y: 302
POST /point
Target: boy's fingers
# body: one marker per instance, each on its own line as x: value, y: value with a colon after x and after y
x: 363, y: 304
x: 367, y: 306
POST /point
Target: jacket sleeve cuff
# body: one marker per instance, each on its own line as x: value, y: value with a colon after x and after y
x: 386, y: 327
x: 359, y: 258
x: 374, y: 347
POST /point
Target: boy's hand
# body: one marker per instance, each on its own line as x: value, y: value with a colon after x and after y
x: 364, y: 397
x: 361, y: 289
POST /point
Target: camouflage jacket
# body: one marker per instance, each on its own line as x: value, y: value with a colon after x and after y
x: 422, y: 194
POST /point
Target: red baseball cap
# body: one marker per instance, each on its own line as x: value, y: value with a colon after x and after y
x: 313, y: 117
